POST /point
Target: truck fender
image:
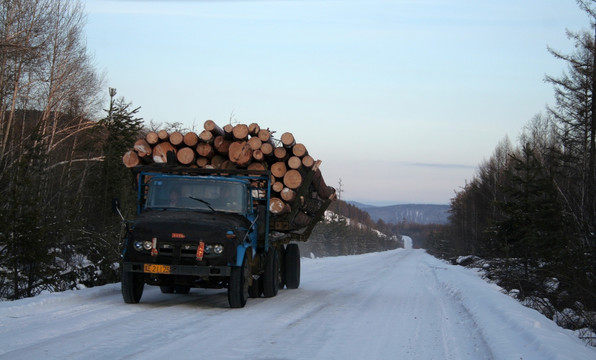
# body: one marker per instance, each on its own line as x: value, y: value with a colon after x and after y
x: 241, y: 253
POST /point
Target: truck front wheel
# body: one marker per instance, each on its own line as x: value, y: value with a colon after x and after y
x: 271, y: 276
x: 132, y: 287
x: 238, y: 286
x: 292, y: 266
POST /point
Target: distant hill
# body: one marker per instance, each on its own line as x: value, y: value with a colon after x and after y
x: 413, y: 213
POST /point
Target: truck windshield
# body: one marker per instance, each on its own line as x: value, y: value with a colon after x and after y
x: 196, y: 194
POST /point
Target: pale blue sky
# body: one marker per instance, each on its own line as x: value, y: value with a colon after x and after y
x: 400, y: 99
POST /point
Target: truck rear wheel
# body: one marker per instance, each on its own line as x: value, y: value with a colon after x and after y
x: 238, y: 286
x: 271, y: 276
x: 292, y: 266
x: 132, y: 287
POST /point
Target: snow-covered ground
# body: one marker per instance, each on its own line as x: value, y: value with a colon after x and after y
x: 400, y: 304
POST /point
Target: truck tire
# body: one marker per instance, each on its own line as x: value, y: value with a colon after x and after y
x: 238, y: 286
x: 281, y: 254
x: 271, y: 276
x: 292, y: 266
x: 132, y: 287
x: 256, y: 288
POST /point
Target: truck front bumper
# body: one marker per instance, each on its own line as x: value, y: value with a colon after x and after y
x: 192, y: 270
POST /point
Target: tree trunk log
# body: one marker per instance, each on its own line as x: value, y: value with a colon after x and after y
x: 176, y: 138
x: 205, y: 150
x: 131, y: 159
x: 240, y: 153
x: 253, y: 129
x: 164, y: 151
x: 308, y: 161
x: 255, y: 143
x: 222, y: 145
x: 299, y: 150
x: 280, y: 153
x: 142, y: 148
x: 265, y: 136
x: 279, y: 169
x: 228, y: 131
x: 240, y: 132
x: 277, y: 186
x: 288, y: 195
x: 294, y: 162
x: 206, y: 136
x: 202, y: 162
x: 163, y: 135
x: 278, y: 207
x: 293, y: 179
x: 287, y: 139
x: 212, y: 127
x: 191, y: 139
x: 152, y: 138
x: 267, y: 149
x: 186, y: 156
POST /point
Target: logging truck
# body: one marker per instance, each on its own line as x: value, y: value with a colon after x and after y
x: 218, y: 228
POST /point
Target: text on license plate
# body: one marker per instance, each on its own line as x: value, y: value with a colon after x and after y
x: 156, y: 269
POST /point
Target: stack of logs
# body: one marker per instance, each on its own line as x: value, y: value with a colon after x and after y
x: 236, y: 147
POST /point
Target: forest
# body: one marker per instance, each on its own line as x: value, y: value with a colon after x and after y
x: 530, y: 210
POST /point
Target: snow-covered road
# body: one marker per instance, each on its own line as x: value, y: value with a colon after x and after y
x: 401, y: 304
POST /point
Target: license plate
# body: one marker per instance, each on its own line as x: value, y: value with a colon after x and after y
x: 156, y: 269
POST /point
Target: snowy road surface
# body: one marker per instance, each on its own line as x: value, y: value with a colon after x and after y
x: 401, y: 304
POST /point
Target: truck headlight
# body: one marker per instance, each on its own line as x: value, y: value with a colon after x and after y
x: 147, y: 245
x: 218, y: 249
x: 208, y: 249
x: 138, y: 245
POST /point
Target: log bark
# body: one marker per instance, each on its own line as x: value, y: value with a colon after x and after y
x: 142, y: 148
x: 212, y: 127
x: 293, y: 179
x: 176, y: 138
x: 164, y: 151
x: 228, y: 131
x: 318, y: 183
x: 240, y: 153
x: 131, y: 159
x: 287, y: 139
x: 152, y: 138
x: 191, y: 139
x: 186, y: 156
